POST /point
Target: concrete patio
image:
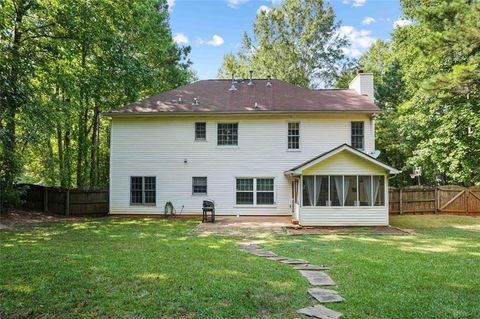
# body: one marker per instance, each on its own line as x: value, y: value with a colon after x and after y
x: 245, y: 226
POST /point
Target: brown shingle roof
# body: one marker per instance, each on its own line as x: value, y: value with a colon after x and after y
x: 214, y: 96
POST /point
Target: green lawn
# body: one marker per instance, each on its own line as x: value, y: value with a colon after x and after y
x: 154, y: 268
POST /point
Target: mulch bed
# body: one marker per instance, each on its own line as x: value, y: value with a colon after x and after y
x: 371, y: 230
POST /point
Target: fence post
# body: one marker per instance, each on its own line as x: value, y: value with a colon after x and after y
x: 400, y: 199
x: 467, y: 195
x: 67, y: 202
x: 45, y: 200
x: 436, y: 200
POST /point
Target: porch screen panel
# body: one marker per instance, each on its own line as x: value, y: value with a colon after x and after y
x: 350, y: 190
x: 308, y: 190
x: 336, y: 190
x: 365, y: 190
x: 321, y: 190
x: 379, y: 190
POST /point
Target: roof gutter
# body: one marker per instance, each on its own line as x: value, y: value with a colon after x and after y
x: 253, y: 112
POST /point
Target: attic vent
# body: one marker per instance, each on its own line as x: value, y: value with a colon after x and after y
x: 232, y: 87
x: 195, y: 101
x: 269, y: 81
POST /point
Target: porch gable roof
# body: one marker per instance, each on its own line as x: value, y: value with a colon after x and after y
x: 297, y: 170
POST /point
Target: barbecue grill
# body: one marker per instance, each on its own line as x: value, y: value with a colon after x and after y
x: 208, y: 207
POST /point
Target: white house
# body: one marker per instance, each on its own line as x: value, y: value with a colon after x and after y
x: 254, y: 147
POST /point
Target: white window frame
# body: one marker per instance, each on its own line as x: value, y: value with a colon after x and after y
x: 363, y: 136
x: 200, y: 194
x: 255, y: 191
x: 299, y: 136
x: 195, y: 131
x: 238, y: 134
x: 143, y: 203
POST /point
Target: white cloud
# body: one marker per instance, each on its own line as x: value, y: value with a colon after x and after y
x: 263, y: 8
x: 359, y: 3
x: 355, y: 3
x: 215, y: 41
x: 180, y: 38
x: 236, y: 3
x: 170, y: 3
x: 368, y: 20
x: 402, y: 23
x: 360, y: 40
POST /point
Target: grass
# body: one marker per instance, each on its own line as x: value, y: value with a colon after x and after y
x: 155, y: 268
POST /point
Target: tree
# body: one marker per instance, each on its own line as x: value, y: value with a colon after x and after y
x: 66, y: 62
x: 297, y: 41
x: 427, y: 85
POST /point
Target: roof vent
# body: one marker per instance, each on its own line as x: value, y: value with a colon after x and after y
x: 233, y: 88
x: 251, y: 78
x: 195, y: 101
x: 269, y: 81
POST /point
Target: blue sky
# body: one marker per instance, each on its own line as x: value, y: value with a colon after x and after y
x: 215, y: 27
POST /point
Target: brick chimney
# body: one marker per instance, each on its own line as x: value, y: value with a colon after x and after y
x: 363, y: 85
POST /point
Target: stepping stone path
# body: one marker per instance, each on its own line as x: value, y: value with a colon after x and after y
x: 313, y: 273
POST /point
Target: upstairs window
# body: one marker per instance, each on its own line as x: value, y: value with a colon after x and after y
x: 143, y: 190
x: 199, y: 185
x: 358, y: 135
x: 200, y: 131
x: 293, y: 135
x: 227, y: 134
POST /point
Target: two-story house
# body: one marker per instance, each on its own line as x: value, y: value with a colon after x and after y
x: 254, y: 147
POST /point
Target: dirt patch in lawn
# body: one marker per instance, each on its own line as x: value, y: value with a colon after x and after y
x: 371, y: 230
x: 16, y: 219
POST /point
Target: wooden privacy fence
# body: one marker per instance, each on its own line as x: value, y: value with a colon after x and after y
x: 449, y: 199
x: 65, y: 201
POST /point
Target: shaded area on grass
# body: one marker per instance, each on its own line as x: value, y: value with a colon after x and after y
x: 433, y: 274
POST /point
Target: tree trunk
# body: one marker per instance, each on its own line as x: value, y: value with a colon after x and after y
x: 93, y: 154
x: 61, y: 158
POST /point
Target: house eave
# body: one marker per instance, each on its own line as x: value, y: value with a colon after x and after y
x: 253, y: 112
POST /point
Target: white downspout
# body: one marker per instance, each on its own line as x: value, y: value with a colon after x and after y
x: 372, y: 126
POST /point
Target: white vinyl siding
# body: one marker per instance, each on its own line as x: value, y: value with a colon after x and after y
x: 164, y: 147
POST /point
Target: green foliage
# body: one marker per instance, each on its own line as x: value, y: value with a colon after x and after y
x: 297, y: 41
x: 427, y: 83
x: 65, y: 63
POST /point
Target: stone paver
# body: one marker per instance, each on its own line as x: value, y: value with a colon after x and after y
x: 294, y: 261
x: 311, y: 267
x: 319, y: 311
x: 317, y: 278
x: 325, y: 295
x: 278, y: 258
x: 264, y: 253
